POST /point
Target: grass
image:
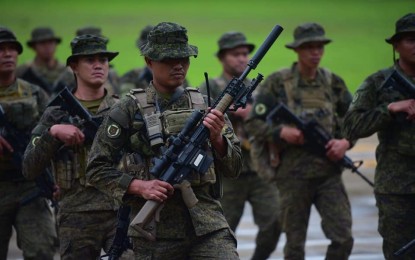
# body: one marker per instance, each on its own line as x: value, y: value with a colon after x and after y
x: 358, y: 29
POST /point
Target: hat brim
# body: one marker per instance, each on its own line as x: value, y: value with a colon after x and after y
x: 168, y: 51
x: 18, y: 45
x: 31, y: 43
x: 398, y: 35
x: 250, y: 46
x: 109, y: 54
x: 298, y: 43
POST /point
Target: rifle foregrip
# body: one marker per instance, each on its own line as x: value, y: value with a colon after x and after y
x: 224, y: 103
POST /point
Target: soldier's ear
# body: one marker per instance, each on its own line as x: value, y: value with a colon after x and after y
x: 148, y: 62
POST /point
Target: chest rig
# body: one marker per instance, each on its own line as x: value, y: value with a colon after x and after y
x: 161, y: 124
x: 311, y: 101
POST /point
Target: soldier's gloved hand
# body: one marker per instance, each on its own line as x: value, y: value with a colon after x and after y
x: 292, y: 135
x: 406, y: 106
x: 215, y: 121
x: 336, y: 149
x: 151, y: 190
x: 68, y: 134
x: 5, y: 146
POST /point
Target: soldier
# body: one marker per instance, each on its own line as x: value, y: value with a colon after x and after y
x: 68, y: 78
x: 22, y: 104
x: 305, y: 178
x: 45, y: 69
x: 139, y: 77
x: 87, y: 217
x: 233, y: 54
x: 200, y: 230
x: 379, y: 107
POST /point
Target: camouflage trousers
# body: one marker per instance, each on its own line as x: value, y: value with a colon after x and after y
x: 33, y: 222
x: 82, y: 235
x: 220, y: 244
x: 396, y: 223
x: 329, y: 196
x: 263, y: 197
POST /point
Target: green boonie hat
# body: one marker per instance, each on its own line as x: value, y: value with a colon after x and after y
x: 168, y: 41
x: 41, y: 34
x: 91, y: 30
x: 308, y: 32
x: 6, y: 35
x: 405, y: 24
x: 142, y: 38
x: 232, y: 40
x: 87, y: 44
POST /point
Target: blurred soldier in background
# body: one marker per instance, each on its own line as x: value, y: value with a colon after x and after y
x: 22, y: 104
x: 44, y: 70
x: 233, y: 54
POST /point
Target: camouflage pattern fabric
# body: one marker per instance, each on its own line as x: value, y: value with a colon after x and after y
x: 124, y: 130
x: 395, y: 171
x: 23, y: 103
x: 78, y: 233
x: 318, y: 178
x: 262, y: 195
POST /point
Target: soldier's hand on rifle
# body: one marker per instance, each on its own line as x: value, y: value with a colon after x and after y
x: 292, y: 135
x: 68, y: 134
x: 406, y: 106
x: 215, y: 121
x: 5, y: 146
x: 151, y: 190
x: 336, y: 149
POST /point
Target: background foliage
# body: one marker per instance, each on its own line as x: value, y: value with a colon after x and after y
x: 358, y: 28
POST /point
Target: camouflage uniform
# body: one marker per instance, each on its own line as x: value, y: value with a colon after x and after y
x: 139, y: 77
x: 22, y: 104
x: 262, y: 195
x: 395, y: 154
x: 87, y: 217
x: 326, y: 100
x: 40, y: 74
x: 182, y: 233
x: 67, y: 79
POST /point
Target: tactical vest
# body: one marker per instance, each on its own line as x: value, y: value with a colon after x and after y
x: 165, y: 123
x: 311, y: 102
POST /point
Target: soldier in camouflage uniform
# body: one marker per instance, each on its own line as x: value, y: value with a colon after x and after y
x: 379, y: 108
x: 22, y: 104
x: 68, y: 79
x: 45, y: 69
x: 195, y: 232
x: 87, y: 217
x: 233, y: 54
x: 303, y: 177
x: 139, y: 77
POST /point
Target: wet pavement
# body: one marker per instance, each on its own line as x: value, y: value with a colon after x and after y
x: 367, y: 241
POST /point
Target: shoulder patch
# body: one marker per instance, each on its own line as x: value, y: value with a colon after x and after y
x: 260, y: 109
x: 113, y: 130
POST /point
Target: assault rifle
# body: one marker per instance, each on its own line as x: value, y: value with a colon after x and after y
x: 400, y: 83
x: 405, y: 248
x: 186, y: 154
x: 316, y: 137
x: 19, y: 140
x: 66, y: 101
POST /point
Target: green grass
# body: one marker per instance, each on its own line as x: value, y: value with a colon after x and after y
x: 358, y: 28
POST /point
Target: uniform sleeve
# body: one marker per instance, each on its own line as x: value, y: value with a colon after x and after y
x: 343, y: 101
x: 112, y: 136
x: 42, y: 146
x: 366, y: 115
x: 268, y: 95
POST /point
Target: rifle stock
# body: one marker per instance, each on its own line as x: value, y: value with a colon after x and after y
x: 316, y: 136
x: 186, y: 153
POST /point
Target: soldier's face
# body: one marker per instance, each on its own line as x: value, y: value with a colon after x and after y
x: 45, y: 50
x: 234, y: 61
x: 8, y: 57
x: 310, y: 54
x: 91, y: 70
x: 168, y: 74
x: 406, y: 48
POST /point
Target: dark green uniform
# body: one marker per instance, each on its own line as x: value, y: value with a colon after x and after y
x: 23, y: 104
x: 262, y: 195
x: 303, y: 177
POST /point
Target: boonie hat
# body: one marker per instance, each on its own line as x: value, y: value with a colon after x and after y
x: 41, y: 34
x: 308, y: 32
x: 232, y: 40
x: 404, y: 25
x: 6, y: 35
